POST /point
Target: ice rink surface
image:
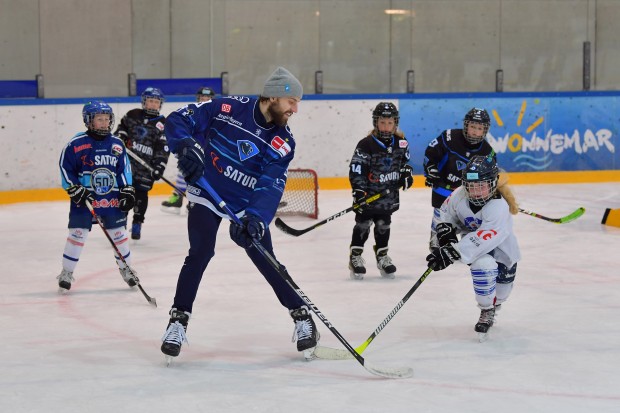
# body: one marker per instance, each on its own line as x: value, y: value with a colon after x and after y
x: 554, y: 348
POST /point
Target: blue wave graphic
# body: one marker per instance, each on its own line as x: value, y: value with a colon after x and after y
x: 536, y: 164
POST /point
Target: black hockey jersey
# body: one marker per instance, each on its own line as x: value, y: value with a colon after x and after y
x: 449, y: 153
x: 375, y: 166
x: 144, y: 136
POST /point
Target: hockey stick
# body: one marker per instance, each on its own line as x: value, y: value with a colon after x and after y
x: 568, y: 218
x: 392, y: 373
x: 151, y: 169
x: 297, y: 232
x: 329, y: 353
x: 151, y: 300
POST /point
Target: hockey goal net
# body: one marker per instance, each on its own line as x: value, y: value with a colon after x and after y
x: 300, y: 194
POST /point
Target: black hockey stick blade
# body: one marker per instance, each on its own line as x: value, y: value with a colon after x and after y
x: 563, y: 220
x: 297, y: 232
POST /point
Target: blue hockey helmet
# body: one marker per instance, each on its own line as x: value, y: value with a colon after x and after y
x: 152, y: 93
x: 203, y: 93
x: 480, y: 178
x: 97, y: 107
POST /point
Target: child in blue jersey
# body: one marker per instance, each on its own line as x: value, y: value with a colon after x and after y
x: 242, y: 146
x: 94, y: 168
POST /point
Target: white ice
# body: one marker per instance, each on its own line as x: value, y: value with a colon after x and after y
x: 555, y: 347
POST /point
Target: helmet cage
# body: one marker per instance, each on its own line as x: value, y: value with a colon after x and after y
x: 385, y: 110
x: 480, y: 178
x: 97, y: 108
x: 152, y: 93
x: 480, y: 116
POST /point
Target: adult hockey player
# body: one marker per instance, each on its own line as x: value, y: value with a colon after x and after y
x: 446, y: 156
x: 242, y: 146
x: 173, y: 204
x: 94, y: 168
x: 488, y: 245
x: 142, y: 130
x: 379, y: 162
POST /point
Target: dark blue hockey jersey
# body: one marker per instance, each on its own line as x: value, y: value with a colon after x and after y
x: 102, y: 166
x: 246, y: 158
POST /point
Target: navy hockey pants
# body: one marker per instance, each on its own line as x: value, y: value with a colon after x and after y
x: 202, y: 226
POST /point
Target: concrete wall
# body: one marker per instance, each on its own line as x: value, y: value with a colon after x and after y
x: 87, y: 47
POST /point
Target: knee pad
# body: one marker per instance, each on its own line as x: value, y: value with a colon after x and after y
x: 363, y: 227
x: 484, y: 274
x: 382, y: 226
x: 506, y: 275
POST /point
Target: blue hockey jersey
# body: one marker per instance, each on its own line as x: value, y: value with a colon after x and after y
x: 246, y: 158
x: 102, y: 166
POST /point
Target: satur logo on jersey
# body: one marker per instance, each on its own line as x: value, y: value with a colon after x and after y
x: 232, y: 173
x: 486, y: 235
x: 280, y: 145
x: 226, y: 107
x: 106, y: 160
x: 80, y: 148
x: 247, y: 149
x: 382, y: 178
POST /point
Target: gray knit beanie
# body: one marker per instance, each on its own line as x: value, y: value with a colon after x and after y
x: 282, y: 83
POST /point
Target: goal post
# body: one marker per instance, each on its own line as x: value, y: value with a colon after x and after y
x: 300, y: 196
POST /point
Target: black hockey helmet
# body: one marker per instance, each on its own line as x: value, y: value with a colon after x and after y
x: 205, y: 91
x: 385, y: 110
x: 480, y: 178
x: 476, y: 115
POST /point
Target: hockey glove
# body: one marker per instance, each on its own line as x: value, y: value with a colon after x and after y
x: 432, y: 175
x: 191, y: 160
x: 443, y: 257
x: 446, y: 234
x: 251, y: 228
x: 406, y: 177
x: 158, y: 169
x: 358, y: 197
x: 126, y: 198
x: 79, y: 194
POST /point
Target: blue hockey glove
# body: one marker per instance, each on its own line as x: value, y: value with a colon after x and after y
x: 446, y: 234
x: 79, y: 194
x: 158, y: 169
x: 359, y: 196
x: 406, y: 177
x: 251, y: 228
x: 191, y: 160
x: 443, y: 257
x: 126, y: 198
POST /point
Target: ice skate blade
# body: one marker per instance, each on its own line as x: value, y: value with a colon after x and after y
x: 482, y: 337
x: 309, y: 354
x: 168, y: 360
x: 63, y: 291
x: 171, y: 210
x: 386, y: 275
x: 355, y: 276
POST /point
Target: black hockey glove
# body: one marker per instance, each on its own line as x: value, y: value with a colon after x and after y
x: 251, y: 228
x: 126, y: 198
x: 191, y: 160
x: 158, y: 169
x: 359, y: 196
x: 79, y: 194
x: 443, y: 257
x: 406, y: 177
x: 446, y: 234
x: 432, y: 175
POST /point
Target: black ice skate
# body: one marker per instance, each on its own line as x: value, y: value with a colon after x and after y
x: 64, y: 281
x: 384, y: 263
x: 129, y: 276
x: 305, y: 334
x: 356, y: 263
x: 136, y: 230
x: 485, y: 322
x: 173, y: 204
x: 174, y: 337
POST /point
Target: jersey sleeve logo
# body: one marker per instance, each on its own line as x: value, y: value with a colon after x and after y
x: 117, y: 149
x: 247, y: 149
x: 280, y: 145
x: 226, y: 107
x: 403, y: 144
x: 486, y: 235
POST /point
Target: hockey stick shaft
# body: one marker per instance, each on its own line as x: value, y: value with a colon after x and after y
x: 151, y: 300
x: 202, y: 182
x: 568, y: 218
x: 151, y: 169
x: 297, y: 232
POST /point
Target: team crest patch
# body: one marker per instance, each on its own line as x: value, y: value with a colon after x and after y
x: 159, y: 126
x: 246, y: 149
x: 226, y: 108
x: 280, y: 145
x: 460, y: 165
x: 403, y: 144
x: 117, y: 150
x: 102, y: 180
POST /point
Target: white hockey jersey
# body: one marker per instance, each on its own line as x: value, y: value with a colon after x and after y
x: 490, y: 229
